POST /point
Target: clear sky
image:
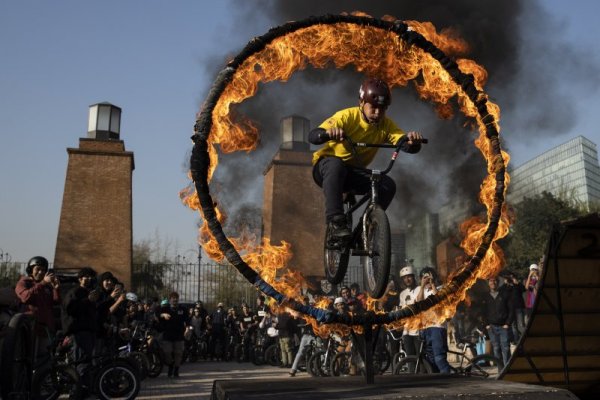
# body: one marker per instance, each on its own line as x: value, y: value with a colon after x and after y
x: 156, y: 60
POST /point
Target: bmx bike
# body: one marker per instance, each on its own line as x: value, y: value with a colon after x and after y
x: 370, y: 237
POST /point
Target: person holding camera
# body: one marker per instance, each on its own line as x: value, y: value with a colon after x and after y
x: 436, y: 336
x: 38, y: 291
x: 110, y: 299
x: 79, y: 319
x: 531, y: 287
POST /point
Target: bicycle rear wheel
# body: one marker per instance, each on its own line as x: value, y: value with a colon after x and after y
x: 335, y: 259
x: 413, y: 365
x: 377, y: 265
x: 484, y: 366
x: 340, y: 364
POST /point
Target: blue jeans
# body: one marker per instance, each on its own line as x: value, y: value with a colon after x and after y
x: 518, y: 325
x: 500, y: 343
x: 304, y: 343
x: 436, y: 342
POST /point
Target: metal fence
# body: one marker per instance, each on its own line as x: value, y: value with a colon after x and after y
x: 209, y: 282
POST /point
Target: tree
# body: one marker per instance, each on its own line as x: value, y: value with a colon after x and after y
x: 529, y: 234
x: 150, y: 261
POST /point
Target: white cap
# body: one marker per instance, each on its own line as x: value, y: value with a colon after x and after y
x: 534, y: 266
x: 131, y: 297
x: 407, y: 271
x: 338, y: 300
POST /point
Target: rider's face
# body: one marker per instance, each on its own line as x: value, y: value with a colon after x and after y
x: 409, y: 280
x: 372, y: 112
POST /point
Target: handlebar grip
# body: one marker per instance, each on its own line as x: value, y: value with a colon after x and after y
x: 324, y: 137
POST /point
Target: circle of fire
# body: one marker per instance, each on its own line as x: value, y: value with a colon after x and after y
x: 376, y: 47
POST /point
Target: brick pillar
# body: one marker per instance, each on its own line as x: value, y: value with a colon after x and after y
x: 294, y: 210
x: 96, y: 218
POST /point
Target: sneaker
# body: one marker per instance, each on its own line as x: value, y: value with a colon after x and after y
x: 176, y: 372
x: 293, y: 372
x: 170, y: 373
x: 339, y: 227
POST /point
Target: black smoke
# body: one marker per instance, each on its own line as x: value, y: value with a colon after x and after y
x: 521, y: 68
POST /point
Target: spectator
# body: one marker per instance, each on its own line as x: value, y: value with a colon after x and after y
x: 345, y: 293
x: 79, y: 320
x: 248, y: 325
x: 499, y: 314
x: 355, y: 306
x: 198, y: 322
x: 39, y: 292
x: 531, y: 287
x: 285, y: 327
x: 308, y: 336
x: 175, y: 321
x: 339, y: 305
x: 390, y: 298
x: 261, y: 307
x: 355, y: 293
x: 201, y: 313
x: 517, y: 289
x: 216, y: 323
x: 267, y: 325
x: 410, y: 337
x: 109, y: 300
x: 436, y: 336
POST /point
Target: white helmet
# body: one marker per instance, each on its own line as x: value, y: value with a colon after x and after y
x: 131, y: 297
x: 534, y: 266
x: 407, y: 271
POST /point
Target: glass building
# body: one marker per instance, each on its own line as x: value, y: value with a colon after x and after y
x: 568, y: 171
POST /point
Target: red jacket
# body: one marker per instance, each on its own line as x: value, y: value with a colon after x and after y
x: 39, y: 298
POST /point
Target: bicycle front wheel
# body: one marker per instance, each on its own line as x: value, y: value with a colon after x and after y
x: 413, y: 365
x: 484, y: 366
x: 335, y: 259
x: 117, y: 380
x: 377, y: 265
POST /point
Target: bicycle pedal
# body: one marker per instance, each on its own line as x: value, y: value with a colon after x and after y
x: 334, y: 245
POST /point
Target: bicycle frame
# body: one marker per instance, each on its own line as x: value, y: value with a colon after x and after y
x: 372, y: 198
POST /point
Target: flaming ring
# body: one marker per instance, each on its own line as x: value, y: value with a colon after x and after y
x: 200, y: 162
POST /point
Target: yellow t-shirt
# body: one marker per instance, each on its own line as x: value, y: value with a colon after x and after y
x: 354, y: 126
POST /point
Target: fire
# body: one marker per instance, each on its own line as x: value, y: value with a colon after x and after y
x: 374, y: 52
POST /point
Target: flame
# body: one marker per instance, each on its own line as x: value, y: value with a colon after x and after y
x: 374, y: 52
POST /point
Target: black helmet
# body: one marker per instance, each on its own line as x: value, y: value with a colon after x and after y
x: 376, y: 92
x: 37, y: 260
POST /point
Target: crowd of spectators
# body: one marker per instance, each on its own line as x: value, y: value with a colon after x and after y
x: 97, y: 310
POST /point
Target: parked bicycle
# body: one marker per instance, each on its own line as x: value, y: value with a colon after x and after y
x: 482, y: 365
x: 106, y: 376
x: 370, y: 237
x: 319, y: 364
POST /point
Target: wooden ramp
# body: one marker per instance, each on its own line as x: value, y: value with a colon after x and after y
x: 561, y: 347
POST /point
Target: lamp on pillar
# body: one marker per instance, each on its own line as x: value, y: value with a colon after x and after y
x: 294, y: 133
x: 104, y: 122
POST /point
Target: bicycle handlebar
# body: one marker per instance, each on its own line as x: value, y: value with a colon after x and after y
x: 324, y: 137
